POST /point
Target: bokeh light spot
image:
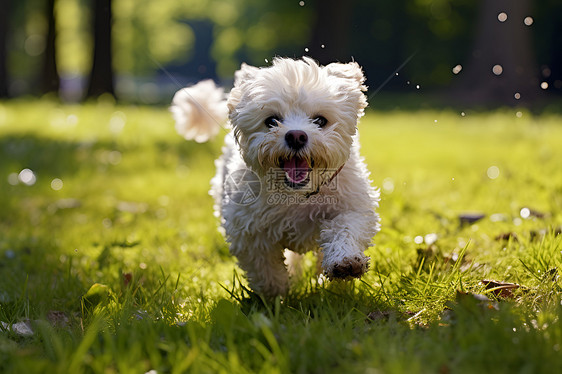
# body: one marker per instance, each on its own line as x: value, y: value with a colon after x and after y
x: 13, y: 179
x: 27, y: 177
x: 497, y: 69
x: 388, y: 185
x: 493, y: 172
x: 429, y: 239
x: 57, y: 184
x: 114, y: 157
x: 34, y: 45
x: 117, y: 122
x: 71, y: 120
x: 107, y: 223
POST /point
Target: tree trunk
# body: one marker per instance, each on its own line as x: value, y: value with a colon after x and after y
x: 5, y: 6
x: 502, y: 68
x: 331, y: 33
x: 50, y: 80
x: 101, y: 76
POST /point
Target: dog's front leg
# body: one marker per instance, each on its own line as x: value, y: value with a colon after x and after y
x: 343, y: 240
x: 264, y: 266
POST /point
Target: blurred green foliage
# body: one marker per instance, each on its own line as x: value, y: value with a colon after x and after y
x: 145, y: 30
x: 382, y: 35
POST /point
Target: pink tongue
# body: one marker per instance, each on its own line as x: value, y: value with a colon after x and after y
x: 296, y: 169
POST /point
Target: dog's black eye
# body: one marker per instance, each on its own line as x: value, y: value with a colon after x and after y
x: 320, y: 121
x: 272, y: 121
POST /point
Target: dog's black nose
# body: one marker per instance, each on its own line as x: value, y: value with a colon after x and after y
x: 296, y: 139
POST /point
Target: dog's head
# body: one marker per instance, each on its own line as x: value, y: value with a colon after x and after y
x: 297, y: 117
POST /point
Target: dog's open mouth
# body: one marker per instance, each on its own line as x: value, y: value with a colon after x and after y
x: 297, y: 172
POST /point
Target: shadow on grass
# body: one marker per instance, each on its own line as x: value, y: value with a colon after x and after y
x: 62, y: 157
x: 338, y: 297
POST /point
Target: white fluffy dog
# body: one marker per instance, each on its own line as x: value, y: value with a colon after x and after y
x: 290, y: 176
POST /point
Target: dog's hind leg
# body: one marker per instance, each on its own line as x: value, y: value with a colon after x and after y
x: 265, y: 269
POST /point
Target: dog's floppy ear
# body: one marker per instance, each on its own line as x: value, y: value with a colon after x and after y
x: 353, y: 81
x: 245, y: 73
x: 242, y: 76
x: 351, y: 71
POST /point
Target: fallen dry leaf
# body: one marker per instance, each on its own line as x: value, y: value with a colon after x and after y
x: 378, y: 315
x: 470, y: 218
x: 482, y: 301
x: 500, y: 289
x: 127, y: 278
x: 507, y: 236
x: 57, y: 318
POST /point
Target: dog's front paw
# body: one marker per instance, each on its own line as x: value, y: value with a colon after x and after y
x: 349, y: 267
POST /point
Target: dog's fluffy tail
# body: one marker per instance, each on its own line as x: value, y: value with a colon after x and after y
x: 200, y: 111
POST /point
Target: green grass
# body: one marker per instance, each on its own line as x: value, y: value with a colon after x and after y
x: 122, y: 270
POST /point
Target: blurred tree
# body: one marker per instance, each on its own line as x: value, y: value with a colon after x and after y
x: 379, y: 31
x: 438, y: 31
x: 74, y: 38
x: 195, y: 39
x: 149, y: 33
x: 197, y: 63
x: 5, y: 6
x: 254, y: 31
x: 332, y: 28
x: 101, y: 75
x: 547, y: 27
x: 431, y: 34
x: 502, y: 68
x: 50, y: 81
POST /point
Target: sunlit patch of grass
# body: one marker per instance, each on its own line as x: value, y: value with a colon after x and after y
x: 111, y: 254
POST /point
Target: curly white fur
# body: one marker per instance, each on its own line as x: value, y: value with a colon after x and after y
x: 199, y: 111
x: 333, y: 210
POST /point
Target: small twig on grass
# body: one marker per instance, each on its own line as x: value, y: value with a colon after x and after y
x: 416, y: 315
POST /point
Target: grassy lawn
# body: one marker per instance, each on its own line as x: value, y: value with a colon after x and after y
x: 111, y: 262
